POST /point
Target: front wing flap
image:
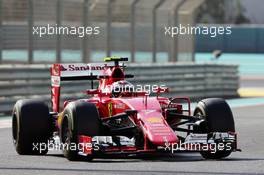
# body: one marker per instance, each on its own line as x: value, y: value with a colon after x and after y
x: 216, y: 141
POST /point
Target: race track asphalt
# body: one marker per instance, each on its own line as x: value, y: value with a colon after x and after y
x: 249, y: 124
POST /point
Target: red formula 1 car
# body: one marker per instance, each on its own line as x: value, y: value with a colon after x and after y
x: 119, y: 119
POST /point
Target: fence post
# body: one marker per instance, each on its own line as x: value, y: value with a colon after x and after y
x: 132, y: 30
x: 173, y: 22
x: 1, y: 32
x: 85, y: 49
x: 108, y: 28
x: 30, y: 34
x: 58, y: 22
x: 154, y: 30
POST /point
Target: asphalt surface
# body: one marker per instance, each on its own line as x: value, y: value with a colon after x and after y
x: 249, y: 124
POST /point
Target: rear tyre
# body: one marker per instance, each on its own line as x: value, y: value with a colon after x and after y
x: 217, y: 117
x: 79, y: 118
x: 31, y: 127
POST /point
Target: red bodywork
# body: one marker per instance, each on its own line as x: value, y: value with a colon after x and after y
x: 149, y: 116
x: 151, y: 111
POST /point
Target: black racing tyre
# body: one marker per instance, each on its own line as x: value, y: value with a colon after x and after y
x: 79, y: 118
x: 31, y: 127
x: 218, y: 118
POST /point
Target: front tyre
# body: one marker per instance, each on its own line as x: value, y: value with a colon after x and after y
x: 79, y: 118
x: 217, y: 117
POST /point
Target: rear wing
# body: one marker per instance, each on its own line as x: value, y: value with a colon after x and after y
x: 69, y: 72
x: 80, y: 71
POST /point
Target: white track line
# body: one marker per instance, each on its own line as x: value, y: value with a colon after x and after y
x: 5, y: 123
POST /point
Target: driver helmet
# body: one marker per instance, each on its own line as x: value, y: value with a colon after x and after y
x: 121, y: 86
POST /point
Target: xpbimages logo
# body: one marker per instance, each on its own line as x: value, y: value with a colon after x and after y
x: 135, y: 88
x: 212, y: 31
x: 52, y: 146
x: 79, y: 31
x: 212, y: 147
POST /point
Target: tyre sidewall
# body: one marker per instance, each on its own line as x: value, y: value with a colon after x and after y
x: 83, y: 119
x: 218, y: 118
x: 33, y: 126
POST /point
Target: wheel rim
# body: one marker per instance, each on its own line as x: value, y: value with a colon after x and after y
x: 200, y: 115
x: 203, y: 126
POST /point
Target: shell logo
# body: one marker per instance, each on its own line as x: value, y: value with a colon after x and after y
x: 154, y: 120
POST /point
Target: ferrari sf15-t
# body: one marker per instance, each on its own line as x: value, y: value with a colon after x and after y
x: 116, y: 118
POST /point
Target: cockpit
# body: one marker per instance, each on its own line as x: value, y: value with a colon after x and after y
x: 122, y: 88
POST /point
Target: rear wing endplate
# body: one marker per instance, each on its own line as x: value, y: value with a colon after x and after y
x: 69, y: 72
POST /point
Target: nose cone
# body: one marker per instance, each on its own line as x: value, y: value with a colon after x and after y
x: 158, y: 131
x: 154, y: 126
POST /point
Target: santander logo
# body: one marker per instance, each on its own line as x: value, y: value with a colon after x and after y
x: 62, y: 68
x: 83, y: 67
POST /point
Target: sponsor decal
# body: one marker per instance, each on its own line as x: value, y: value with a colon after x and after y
x: 62, y: 68
x: 119, y: 106
x: 154, y: 120
x: 81, y: 67
x: 55, y: 81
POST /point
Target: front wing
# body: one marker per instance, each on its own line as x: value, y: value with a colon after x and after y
x: 211, y: 142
